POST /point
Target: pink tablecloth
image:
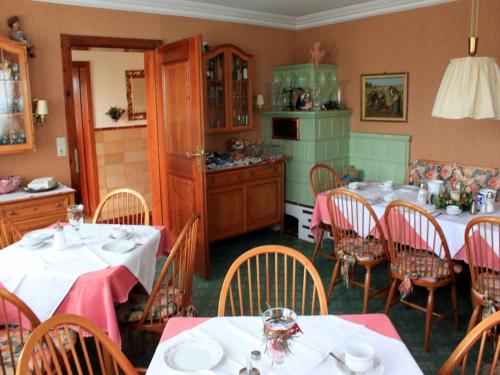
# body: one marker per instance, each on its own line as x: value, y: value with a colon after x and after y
x: 93, y: 294
x: 379, y: 323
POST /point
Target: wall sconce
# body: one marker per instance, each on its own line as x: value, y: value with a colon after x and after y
x: 259, y: 101
x: 40, y: 111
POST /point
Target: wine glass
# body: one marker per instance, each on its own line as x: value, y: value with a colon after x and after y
x: 280, y: 328
x: 75, y: 219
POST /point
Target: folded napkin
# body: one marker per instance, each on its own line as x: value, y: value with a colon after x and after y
x: 42, y: 183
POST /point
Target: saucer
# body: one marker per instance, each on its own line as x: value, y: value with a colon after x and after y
x: 378, y: 367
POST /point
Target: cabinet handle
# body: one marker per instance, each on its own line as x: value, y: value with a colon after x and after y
x: 11, y: 213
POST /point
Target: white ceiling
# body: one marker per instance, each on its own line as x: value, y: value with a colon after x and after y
x: 286, y: 14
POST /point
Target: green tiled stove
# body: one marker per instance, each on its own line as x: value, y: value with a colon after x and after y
x: 323, y: 136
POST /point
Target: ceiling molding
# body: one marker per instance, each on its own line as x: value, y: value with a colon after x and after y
x: 193, y: 9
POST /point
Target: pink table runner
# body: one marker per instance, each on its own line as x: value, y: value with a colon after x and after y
x: 379, y: 323
x: 93, y: 294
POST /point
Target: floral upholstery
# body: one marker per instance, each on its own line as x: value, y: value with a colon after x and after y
x: 170, y: 305
x: 423, y: 266
x: 362, y: 248
x: 17, y: 346
x: 473, y: 178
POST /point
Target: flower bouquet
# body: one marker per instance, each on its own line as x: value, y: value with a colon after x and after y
x: 280, y: 328
x: 444, y: 199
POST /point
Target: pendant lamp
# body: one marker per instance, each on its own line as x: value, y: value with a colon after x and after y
x: 471, y: 85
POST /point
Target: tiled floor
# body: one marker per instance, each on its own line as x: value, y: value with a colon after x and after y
x: 409, y: 322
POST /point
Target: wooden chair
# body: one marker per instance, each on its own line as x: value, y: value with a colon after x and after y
x: 85, y: 356
x: 16, y: 323
x: 172, y: 291
x: 272, y: 276
x: 421, y: 260
x: 478, y: 335
x: 322, y: 178
x: 122, y: 206
x: 8, y: 232
x: 482, y: 238
x: 353, y: 224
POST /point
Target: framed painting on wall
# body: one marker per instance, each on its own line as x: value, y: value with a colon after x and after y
x: 384, y: 97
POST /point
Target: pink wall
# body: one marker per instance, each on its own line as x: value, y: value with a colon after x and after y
x: 420, y: 42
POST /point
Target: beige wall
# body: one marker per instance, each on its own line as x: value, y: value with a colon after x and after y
x: 44, y: 23
x: 420, y: 42
x: 107, y: 75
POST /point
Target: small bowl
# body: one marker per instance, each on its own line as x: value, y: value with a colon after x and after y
x: 9, y: 184
x: 119, y: 232
x: 359, y: 356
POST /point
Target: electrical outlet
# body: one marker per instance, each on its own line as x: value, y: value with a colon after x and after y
x: 62, y: 149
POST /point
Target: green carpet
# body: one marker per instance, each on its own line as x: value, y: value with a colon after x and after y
x: 409, y: 323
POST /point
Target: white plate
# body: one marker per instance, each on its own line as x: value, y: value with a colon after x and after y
x: 378, y: 367
x: 36, y: 238
x: 193, y: 355
x: 119, y: 246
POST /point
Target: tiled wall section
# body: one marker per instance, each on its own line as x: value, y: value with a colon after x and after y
x: 380, y: 156
x: 122, y: 160
x: 324, y: 138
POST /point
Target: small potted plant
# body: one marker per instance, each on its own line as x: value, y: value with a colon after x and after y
x: 115, y: 113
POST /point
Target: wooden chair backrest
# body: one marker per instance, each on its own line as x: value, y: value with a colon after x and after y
x: 272, y: 276
x: 8, y: 232
x: 478, y: 335
x: 176, y: 277
x: 482, y: 238
x: 322, y: 177
x: 412, y: 250
x: 16, y: 320
x: 351, y: 216
x: 77, y: 359
x: 122, y: 206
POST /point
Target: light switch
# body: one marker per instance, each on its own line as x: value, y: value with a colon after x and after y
x: 62, y: 149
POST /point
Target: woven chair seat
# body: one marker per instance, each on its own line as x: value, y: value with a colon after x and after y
x: 17, y: 345
x: 425, y: 267
x: 362, y: 248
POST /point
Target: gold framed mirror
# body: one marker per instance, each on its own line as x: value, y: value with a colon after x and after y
x: 136, y: 94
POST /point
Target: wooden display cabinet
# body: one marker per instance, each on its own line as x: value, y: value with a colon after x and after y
x: 16, y: 121
x: 240, y: 200
x: 228, y: 89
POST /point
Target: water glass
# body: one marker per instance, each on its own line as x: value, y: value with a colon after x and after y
x: 75, y: 219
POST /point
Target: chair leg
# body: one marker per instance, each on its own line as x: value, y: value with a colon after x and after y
x: 317, y: 245
x: 454, y: 302
x: 368, y: 279
x: 428, y: 319
x: 335, y: 273
x: 390, y: 296
x: 474, y: 317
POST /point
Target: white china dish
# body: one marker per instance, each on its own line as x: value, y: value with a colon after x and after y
x: 36, y: 238
x: 192, y: 355
x: 410, y: 187
x: 389, y: 184
x: 354, y: 186
x: 388, y: 198
x: 359, y: 356
x: 453, y: 210
x: 119, y: 246
x: 377, y: 369
x: 119, y: 233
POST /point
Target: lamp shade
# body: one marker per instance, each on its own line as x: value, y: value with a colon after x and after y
x: 260, y: 100
x: 470, y: 88
x: 42, y: 108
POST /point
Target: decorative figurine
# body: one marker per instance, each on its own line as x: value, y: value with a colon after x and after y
x: 17, y: 34
x: 317, y: 54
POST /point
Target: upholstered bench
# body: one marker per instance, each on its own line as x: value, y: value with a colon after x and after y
x: 473, y: 178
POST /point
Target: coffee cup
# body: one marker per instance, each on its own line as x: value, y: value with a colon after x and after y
x: 354, y: 185
x: 119, y: 232
x: 359, y: 356
x: 453, y: 210
x: 388, y: 184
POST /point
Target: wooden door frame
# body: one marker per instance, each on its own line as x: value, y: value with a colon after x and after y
x: 73, y: 42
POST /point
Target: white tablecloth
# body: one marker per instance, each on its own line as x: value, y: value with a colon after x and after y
x: 238, y: 336
x: 42, y: 277
x: 453, y: 226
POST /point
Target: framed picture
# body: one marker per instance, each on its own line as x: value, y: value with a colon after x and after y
x: 384, y: 97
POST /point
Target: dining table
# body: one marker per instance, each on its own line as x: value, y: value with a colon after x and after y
x: 88, y: 277
x: 379, y: 196
x: 310, y: 352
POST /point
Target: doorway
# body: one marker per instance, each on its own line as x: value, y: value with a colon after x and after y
x: 92, y: 172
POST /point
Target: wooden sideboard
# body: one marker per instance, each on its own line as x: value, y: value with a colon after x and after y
x: 30, y: 211
x: 244, y: 199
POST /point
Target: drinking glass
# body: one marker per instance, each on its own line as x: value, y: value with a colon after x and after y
x: 280, y: 327
x: 75, y: 219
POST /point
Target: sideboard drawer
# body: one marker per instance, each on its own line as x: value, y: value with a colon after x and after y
x: 229, y: 177
x: 265, y: 171
x: 36, y: 207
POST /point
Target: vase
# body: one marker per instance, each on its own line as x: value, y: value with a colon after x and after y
x: 280, y: 327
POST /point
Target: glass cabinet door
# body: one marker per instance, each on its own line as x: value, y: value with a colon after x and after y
x: 216, y: 92
x: 240, y: 91
x: 16, y: 133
